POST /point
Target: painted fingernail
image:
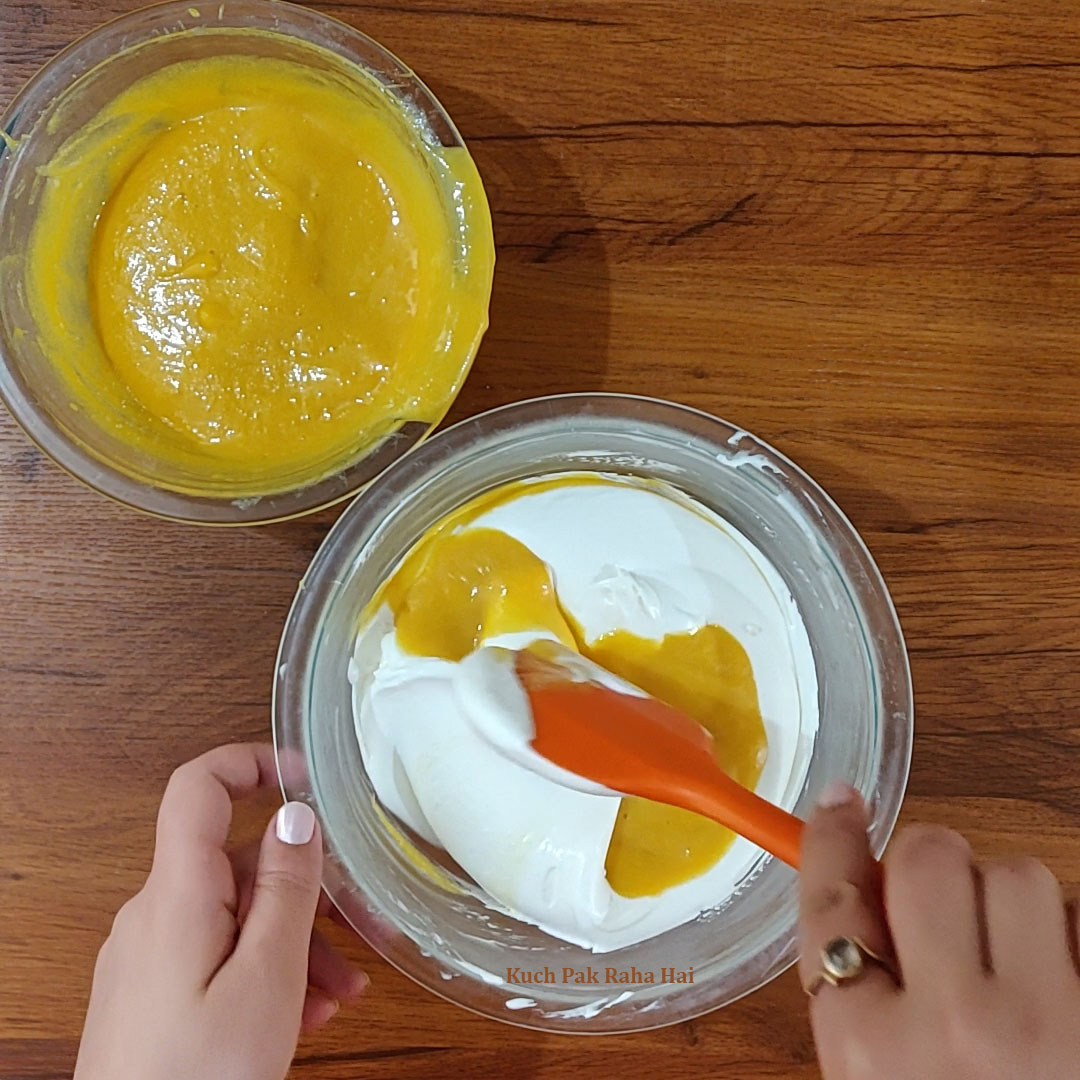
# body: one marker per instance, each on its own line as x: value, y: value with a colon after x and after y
x: 837, y: 794
x: 295, y: 823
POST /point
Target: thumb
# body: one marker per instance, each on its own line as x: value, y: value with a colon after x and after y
x: 275, y: 938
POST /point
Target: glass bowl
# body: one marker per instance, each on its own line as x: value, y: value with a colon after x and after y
x: 427, y: 920
x: 56, y: 103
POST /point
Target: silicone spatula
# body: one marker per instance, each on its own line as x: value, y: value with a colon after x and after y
x: 637, y: 745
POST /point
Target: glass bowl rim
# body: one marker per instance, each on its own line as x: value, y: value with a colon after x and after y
x: 36, y: 96
x: 329, y: 569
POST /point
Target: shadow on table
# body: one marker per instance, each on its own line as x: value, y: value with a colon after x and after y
x: 550, y: 303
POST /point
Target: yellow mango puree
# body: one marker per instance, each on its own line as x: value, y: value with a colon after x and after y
x: 462, y: 584
x: 250, y: 270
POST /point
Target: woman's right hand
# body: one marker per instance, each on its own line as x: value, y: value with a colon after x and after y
x: 986, y: 977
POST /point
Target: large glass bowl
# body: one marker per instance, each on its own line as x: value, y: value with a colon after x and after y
x: 430, y: 925
x: 55, y: 104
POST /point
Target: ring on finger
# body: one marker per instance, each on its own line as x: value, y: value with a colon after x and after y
x: 844, y: 961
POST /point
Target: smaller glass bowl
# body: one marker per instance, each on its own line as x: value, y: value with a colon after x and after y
x: 54, y: 105
x: 428, y: 921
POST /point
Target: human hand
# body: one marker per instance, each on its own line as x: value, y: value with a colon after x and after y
x: 213, y: 968
x: 987, y: 982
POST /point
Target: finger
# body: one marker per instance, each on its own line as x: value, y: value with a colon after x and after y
x: 318, y: 1011
x: 196, y: 812
x: 1026, y: 926
x: 934, y: 910
x: 244, y: 861
x: 839, y: 890
x: 331, y: 973
x: 272, y: 949
x: 840, y: 895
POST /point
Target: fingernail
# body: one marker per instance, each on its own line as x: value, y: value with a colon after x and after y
x: 295, y: 823
x: 361, y: 982
x: 837, y: 794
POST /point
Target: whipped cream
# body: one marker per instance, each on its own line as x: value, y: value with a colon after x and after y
x: 623, y: 555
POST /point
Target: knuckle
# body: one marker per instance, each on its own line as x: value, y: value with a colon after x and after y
x: 835, y: 897
x: 1022, y: 872
x: 859, y: 1051
x: 863, y: 1061
x: 126, y: 927
x: 281, y: 881
x: 181, y: 776
x: 104, y: 962
x: 920, y: 847
x: 971, y: 1023
x: 127, y: 918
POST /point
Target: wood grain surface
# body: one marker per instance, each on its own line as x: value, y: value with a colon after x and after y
x: 852, y: 228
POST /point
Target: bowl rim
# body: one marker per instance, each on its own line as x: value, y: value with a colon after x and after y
x: 54, y: 78
x: 322, y: 579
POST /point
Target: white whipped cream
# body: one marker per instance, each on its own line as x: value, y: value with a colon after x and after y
x: 623, y: 556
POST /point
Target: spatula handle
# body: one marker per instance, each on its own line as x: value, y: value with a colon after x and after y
x: 760, y: 821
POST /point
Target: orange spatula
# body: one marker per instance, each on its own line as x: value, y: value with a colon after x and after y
x: 637, y: 745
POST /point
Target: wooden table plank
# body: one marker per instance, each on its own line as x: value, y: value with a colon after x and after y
x: 852, y: 229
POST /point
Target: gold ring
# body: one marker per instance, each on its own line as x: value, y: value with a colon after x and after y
x: 844, y: 961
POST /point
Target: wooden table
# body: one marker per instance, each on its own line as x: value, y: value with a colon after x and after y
x: 853, y: 229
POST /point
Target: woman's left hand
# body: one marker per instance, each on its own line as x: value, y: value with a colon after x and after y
x: 214, y: 968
